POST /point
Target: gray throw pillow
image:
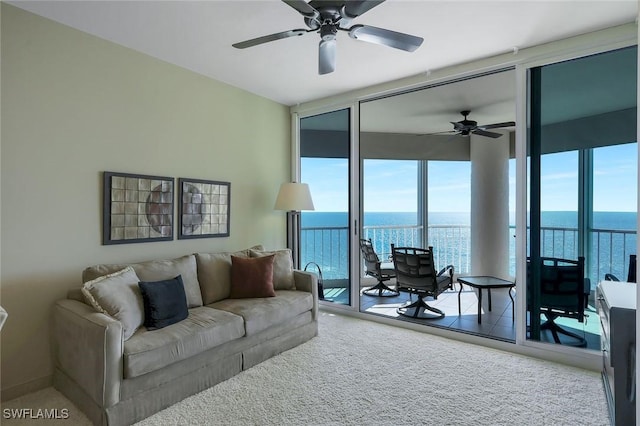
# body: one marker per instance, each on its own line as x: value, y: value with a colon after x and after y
x: 118, y: 296
x: 214, y: 273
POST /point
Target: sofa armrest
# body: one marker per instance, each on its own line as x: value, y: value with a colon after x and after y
x: 308, y: 281
x: 88, y: 347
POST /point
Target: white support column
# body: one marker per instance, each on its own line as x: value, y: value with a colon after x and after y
x: 490, y: 205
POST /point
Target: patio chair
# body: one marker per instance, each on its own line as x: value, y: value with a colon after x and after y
x: 415, y: 273
x: 380, y: 271
x: 563, y: 291
x: 631, y: 276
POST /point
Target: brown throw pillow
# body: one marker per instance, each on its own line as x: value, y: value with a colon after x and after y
x: 252, y: 277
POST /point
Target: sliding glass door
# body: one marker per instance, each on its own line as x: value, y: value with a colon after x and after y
x: 325, y: 239
x: 582, y: 190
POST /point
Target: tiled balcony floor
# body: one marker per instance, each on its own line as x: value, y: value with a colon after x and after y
x: 497, y: 323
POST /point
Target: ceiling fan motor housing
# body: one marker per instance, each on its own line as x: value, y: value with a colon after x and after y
x: 328, y: 31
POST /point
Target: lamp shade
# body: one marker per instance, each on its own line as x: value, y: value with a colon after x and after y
x: 294, y: 196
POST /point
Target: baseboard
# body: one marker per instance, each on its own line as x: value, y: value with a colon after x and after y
x: 16, y: 391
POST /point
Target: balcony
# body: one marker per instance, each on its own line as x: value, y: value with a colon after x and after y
x: 328, y: 247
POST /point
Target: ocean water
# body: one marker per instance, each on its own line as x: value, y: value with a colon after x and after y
x: 561, y: 219
x: 325, y: 239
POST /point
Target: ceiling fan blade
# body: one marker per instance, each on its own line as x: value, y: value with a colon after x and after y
x: 384, y: 37
x: 268, y: 38
x: 327, y: 56
x: 358, y: 7
x: 304, y: 8
x: 497, y: 125
x: 448, y: 132
x: 487, y: 134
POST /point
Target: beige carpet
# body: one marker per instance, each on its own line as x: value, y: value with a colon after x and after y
x: 362, y: 373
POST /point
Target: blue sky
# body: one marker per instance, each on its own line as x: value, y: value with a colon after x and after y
x: 390, y: 185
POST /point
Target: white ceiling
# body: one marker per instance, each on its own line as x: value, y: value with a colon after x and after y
x: 197, y: 35
x: 491, y: 99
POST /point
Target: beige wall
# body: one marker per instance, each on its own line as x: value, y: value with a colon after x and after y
x: 74, y: 106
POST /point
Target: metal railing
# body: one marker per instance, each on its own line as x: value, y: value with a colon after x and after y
x: 382, y: 237
x: 328, y: 246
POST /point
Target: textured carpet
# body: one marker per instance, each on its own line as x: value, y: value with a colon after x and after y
x: 362, y: 373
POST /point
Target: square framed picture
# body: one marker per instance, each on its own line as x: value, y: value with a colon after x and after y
x: 204, y: 208
x: 137, y: 208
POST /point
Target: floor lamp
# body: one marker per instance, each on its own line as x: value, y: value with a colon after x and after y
x: 294, y: 197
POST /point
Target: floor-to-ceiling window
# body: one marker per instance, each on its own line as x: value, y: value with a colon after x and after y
x: 582, y: 189
x: 324, y: 234
x: 416, y: 125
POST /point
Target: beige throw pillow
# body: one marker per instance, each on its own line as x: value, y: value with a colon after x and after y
x: 282, y: 267
x: 214, y: 273
x: 118, y: 296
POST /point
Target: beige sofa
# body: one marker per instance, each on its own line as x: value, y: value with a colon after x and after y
x: 119, y: 381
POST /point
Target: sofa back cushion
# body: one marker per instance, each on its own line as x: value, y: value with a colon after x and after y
x: 157, y: 270
x: 214, y: 272
x: 282, y: 267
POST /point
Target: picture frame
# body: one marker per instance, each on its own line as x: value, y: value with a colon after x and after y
x: 204, y: 208
x: 137, y: 208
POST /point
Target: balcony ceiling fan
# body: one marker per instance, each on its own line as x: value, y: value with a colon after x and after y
x: 327, y: 17
x: 465, y: 127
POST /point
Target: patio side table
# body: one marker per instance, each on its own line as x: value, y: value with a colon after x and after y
x: 486, y: 282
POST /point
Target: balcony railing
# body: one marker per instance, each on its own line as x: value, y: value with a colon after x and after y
x: 328, y: 246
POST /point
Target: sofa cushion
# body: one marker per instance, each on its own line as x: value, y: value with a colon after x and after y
x: 251, y: 277
x: 164, y: 302
x: 260, y: 314
x: 282, y: 267
x: 204, y: 328
x: 156, y: 270
x: 214, y: 273
x: 118, y: 296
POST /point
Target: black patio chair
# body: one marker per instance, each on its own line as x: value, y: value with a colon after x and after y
x: 416, y: 274
x: 631, y: 276
x: 563, y: 293
x: 380, y: 271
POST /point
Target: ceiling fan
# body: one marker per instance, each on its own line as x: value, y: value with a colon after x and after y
x: 465, y: 127
x: 327, y: 17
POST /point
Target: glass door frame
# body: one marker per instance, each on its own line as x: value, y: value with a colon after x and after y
x: 557, y: 51
x: 354, y: 189
x: 523, y: 134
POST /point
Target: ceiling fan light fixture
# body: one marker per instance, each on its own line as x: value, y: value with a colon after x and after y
x: 329, y: 17
x: 327, y: 56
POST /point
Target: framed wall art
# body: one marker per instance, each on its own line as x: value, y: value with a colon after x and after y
x: 137, y: 208
x: 204, y: 208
